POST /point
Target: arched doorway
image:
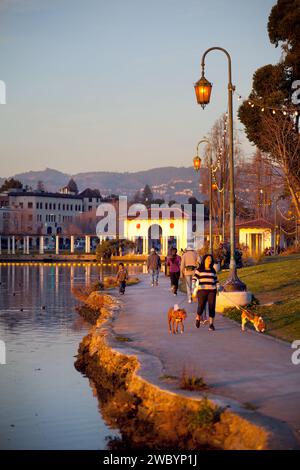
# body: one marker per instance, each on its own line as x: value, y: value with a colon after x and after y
x: 155, y: 237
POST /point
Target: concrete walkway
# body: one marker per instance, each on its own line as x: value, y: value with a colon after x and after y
x: 244, y: 366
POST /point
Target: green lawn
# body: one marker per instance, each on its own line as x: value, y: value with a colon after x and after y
x: 276, y: 279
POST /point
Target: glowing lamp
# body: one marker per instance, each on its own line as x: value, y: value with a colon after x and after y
x: 214, y: 186
x: 171, y: 225
x: 197, y: 163
x: 203, y: 90
x: 138, y: 226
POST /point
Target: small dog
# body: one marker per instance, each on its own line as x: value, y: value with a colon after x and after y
x: 256, y: 320
x: 176, y: 316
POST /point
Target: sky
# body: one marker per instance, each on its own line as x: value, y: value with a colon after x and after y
x: 97, y: 85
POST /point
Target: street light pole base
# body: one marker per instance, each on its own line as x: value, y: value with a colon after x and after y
x: 234, y: 284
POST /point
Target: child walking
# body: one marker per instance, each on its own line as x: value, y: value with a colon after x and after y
x: 122, y: 276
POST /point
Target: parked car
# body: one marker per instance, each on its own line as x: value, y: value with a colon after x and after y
x: 49, y: 246
x: 79, y: 244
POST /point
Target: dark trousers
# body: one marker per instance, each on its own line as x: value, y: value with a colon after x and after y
x: 209, y: 296
x: 122, y: 286
x: 174, y: 280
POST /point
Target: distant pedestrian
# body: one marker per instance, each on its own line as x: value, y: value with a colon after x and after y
x: 187, y: 267
x: 207, y: 282
x: 173, y: 262
x: 153, y: 266
x: 122, y: 276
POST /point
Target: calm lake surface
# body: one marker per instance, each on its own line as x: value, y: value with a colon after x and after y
x: 45, y: 403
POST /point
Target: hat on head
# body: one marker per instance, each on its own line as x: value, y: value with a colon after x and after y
x: 189, y: 248
x: 176, y: 307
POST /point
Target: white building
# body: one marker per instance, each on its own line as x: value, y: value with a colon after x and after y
x: 46, y: 213
x: 42, y: 212
x: 162, y: 229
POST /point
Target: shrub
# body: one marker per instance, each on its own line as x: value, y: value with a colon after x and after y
x: 207, y: 415
x: 192, y: 382
x: 291, y: 250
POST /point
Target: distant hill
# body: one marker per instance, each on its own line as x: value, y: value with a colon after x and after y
x: 167, y: 182
x: 52, y: 179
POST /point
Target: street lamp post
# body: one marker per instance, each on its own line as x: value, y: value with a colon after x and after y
x: 197, y: 164
x: 203, y: 91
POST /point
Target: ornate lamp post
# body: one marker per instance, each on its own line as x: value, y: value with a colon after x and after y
x: 203, y: 91
x: 197, y: 165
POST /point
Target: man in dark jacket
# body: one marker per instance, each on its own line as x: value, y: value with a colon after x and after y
x: 153, y: 266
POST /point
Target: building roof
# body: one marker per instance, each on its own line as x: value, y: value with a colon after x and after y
x: 257, y: 223
x: 163, y: 212
x: 71, y: 187
x: 44, y: 194
x: 88, y: 192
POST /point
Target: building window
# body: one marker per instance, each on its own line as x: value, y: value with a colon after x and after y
x: 41, y: 205
x: 21, y: 205
x: 59, y: 206
x: 90, y: 199
x: 37, y: 205
x: 50, y: 206
x: 67, y: 207
x: 54, y: 207
x: 64, y: 207
x: 30, y: 205
x: 46, y: 205
x: 90, y: 208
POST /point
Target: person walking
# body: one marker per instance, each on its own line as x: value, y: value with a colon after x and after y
x: 187, y: 268
x: 122, y: 276
x: 173, y: 262
x: 207, y: 284
x: 153, y: 266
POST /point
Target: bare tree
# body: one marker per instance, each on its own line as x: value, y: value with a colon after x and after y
x: 84, y: 223
x: 220, y: 169
x: 284, y: 143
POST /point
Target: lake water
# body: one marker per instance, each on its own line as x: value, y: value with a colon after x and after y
x: 45, y: 403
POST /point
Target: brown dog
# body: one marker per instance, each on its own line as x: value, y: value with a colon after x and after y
x: 255, y: 319
x: 176, y: 316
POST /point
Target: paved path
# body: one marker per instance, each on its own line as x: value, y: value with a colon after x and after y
x: 247, y: 367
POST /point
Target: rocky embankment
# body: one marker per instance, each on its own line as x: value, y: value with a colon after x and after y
x: 151, y: 414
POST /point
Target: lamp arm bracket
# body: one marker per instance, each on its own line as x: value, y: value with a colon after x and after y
x: 217, y: 48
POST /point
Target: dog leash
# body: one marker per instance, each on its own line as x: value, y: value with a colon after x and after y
x: 242, y: 309
x: 233, y: 303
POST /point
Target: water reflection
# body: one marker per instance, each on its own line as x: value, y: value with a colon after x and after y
x: 45, y: 402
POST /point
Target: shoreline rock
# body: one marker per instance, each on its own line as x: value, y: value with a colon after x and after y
x: 154, y: 415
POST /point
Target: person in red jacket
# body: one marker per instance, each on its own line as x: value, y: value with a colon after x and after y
x: 173, y: 262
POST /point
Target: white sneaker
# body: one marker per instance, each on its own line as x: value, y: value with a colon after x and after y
x: 152, y: 285
x: 190, y: 301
